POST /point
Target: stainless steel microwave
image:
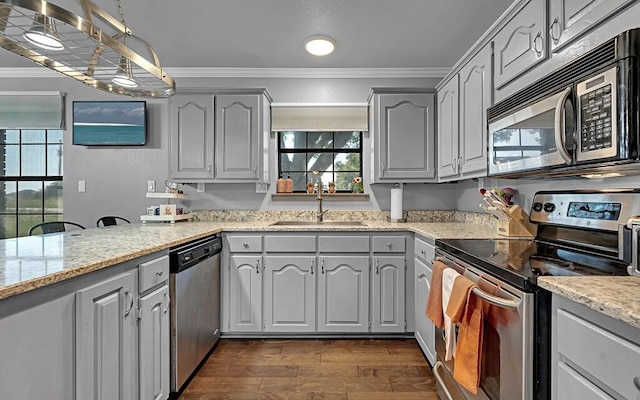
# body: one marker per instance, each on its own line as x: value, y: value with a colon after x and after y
x: 582, y: 119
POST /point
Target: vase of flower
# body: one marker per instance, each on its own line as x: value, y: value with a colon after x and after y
x: 356, y: 185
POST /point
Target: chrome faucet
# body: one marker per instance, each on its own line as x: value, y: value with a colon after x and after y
x: 321, y: 212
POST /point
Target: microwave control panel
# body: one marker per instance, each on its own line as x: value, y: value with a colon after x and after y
x: 597, y: 114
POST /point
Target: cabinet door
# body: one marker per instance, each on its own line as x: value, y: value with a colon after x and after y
x: 448, y: 129
x: 290, y: 293
x: 106, y: 340
x: 388, y: 294
x: 153, y: 351
x: 343, y: 294
x: 569, y: 19
x: 475, y: 97
x: 425, y: 330
x: 404, y: 137
x: 192, y: 133
x: 521, y: 43
x: 245, y: 303
x: 238, y: 136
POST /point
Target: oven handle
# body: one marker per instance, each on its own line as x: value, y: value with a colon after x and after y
x: 495, y: 300
x: 444, y: 387
x: 559, y: 126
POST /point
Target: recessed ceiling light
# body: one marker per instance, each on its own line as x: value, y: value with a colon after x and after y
x: 320, y: 45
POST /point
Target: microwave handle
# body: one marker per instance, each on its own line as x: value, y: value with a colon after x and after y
x: 559, y: 128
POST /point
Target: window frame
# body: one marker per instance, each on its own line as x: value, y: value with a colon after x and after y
x: 307, y: 149
x: 42, y: 179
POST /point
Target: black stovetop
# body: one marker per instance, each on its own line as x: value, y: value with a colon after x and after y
x: 520, y: 262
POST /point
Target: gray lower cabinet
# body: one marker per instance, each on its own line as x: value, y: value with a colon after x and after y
x: 403, y: 141
x: 154, y: 343
x: 106, y: 340
x: 388, y: 285
x: 290, y: 293
x: 245, y: 291
x: 593, y: 355
x: 521, y: 43
x: 343, y: 293
x: 424, y: 329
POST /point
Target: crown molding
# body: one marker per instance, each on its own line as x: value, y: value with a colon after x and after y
x: 308, y: 73
x: 300, y: 73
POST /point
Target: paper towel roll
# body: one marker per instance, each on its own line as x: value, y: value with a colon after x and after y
x: 396, y: 203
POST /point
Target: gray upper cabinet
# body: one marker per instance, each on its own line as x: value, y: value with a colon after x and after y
x: 462, y: 121
x: 238, y: 136
x: 106, y: 340
x: 475, y: 90
x: 569, y: 19
x: 219, y: 135
x: 448, y: 134
x: 192, y: 136
x: 402, y: 125
x: 521, y: 43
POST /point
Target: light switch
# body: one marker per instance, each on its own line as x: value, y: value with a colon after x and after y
x: 151, y: 186
x: 200, y: 188
x: 82, y: 186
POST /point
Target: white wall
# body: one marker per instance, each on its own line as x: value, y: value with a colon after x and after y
x: 116, y: 177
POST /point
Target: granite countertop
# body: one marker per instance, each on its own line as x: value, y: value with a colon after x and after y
x: 615, y: 296
x: 32, y: 262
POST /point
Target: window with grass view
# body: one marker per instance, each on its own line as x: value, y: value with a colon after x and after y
x: 337, y: 156
x: 31, y: 179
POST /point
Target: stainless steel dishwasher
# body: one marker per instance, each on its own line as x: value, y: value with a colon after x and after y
x: 194, y: 285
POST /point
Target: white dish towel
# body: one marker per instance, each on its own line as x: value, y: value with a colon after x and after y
x: 449, y: 276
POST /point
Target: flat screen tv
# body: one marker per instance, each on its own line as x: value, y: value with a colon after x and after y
x: 109, y: 123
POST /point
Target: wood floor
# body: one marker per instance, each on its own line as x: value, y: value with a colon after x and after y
x: 313, y: 369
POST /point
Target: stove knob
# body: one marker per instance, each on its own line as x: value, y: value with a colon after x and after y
x: 549, y: 207
x: 537, y: 207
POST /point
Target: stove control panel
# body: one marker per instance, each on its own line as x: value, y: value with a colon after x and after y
x: 603, y: 210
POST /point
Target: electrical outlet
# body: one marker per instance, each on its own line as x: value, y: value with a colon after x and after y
x: 200, y: 188
x: 262, y: 187
x: 151, y: 186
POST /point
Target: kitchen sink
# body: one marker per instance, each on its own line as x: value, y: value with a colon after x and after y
x: 314, y: 223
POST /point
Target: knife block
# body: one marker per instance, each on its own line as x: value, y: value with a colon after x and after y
x: 517, y: 225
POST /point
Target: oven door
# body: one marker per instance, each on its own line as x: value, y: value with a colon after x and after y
x: 507, y: 345
x: 540, y: 135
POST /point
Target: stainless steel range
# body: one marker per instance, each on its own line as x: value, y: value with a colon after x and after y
x: 579, y: 233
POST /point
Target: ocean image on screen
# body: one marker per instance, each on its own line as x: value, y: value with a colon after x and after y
x: 109, y: 123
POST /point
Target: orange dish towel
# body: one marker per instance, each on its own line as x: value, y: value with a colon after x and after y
x: 465, y: 308
x: 434, y: 302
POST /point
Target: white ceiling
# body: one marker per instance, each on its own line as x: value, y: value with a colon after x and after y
x: 270, y: 33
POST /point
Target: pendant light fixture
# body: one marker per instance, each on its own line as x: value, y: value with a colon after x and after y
x: 96, y: 48
x: 43, y: 34
x: 124, y: 74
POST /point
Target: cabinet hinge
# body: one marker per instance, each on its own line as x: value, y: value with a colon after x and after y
x: 138, y: 314
x: 369, y: 264
x: 369, y: 324
x: 405, y: 264
x: 405, y: 326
